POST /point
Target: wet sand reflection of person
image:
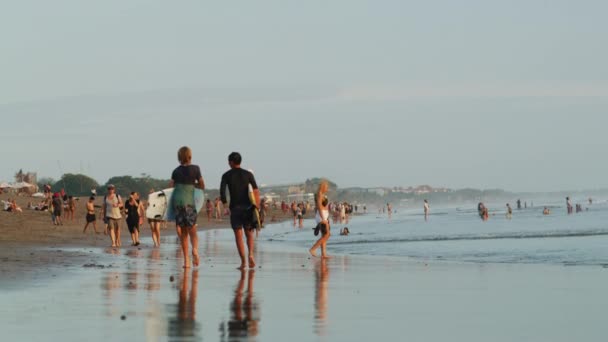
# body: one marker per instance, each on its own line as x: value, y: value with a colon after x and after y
x: 154, y: 271
x: 321, y: 284
x: 184, y: 325
x: 245, y: 314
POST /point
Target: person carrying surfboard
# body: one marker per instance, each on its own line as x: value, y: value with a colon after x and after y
x: 184, y: 180
x: 242, y: 217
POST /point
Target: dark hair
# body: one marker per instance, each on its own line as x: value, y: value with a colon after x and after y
x: 235, y: 158
x: 92, y: 198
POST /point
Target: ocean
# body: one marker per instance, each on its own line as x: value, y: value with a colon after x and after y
x: 458, y: 234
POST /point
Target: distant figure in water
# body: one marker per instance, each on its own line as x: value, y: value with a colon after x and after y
x: 344, y: 231
x: 590, y: 201
x: 483, y: 211
x: 546, y: 211
x: 427, y: 210
x: 389, y: 209
x: 569, y: 205
x: 526, y: 205
x: 579, y: 208
x: 518, y: 204
x: 509, y: 212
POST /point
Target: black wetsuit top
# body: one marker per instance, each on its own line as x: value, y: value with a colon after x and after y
x: 237, y: 180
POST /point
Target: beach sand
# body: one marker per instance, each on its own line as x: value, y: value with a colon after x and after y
x: 86, y: 291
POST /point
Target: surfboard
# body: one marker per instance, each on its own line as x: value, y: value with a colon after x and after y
x: 256, y: 211
x: 160, y: 207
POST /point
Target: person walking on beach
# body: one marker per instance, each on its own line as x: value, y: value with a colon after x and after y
x: 509, y: 212
x: 134, y: 212
x: 185, y: 178
x: 427, y: 210
x: 209, y: 209
x: 218, y: 209
x: 322, y: 219
x: 57, y: 209
x: 90, y: 218
x: 70, y: 208
x: 155, y: 228
x: 112, y: 207
x: 242, y: 217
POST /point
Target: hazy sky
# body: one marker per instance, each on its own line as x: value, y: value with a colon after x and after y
x: 470, y: 93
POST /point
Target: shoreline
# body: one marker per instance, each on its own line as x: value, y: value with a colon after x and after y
x: 145, y: 295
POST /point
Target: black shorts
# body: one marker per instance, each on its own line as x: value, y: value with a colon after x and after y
x: 57, y: 212
x: 133, y: 226
x: 91, y: 218
x: 185, y: 216
x: 243, y: 218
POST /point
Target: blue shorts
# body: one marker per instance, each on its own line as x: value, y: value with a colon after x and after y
x: 185, y: 216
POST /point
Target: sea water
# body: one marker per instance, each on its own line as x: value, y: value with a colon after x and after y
x: 458, y: 234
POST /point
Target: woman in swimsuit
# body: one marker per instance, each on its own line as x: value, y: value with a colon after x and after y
x: 322, y: 218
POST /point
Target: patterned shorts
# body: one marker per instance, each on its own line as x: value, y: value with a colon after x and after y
x: 185, y: 216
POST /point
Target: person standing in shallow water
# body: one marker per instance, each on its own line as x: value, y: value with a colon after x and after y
x: 509, y: 211
x: 427, y: 210
x: 322, y: 219
x: 185, y: 179
x: 242, y: 216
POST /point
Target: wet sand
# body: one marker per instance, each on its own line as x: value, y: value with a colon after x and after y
x: 128, y: 294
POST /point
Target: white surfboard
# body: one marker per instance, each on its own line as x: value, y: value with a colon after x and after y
x: 159, y: 204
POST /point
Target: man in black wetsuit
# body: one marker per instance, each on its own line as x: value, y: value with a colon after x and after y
x: 241, y: 209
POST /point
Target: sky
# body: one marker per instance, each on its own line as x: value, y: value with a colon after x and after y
x: 471, y: 93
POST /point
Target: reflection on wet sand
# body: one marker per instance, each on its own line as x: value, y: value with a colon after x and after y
x: 184, y: 326
x: 153, y: 272
x: 245, y: 314
x: 321, y: 284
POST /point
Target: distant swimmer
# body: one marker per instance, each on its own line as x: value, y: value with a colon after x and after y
x: 344, y: 231
x: 509, y: 212
x: 483, y: 211
x: 569, y: 205
x: 546, y: 211
x: 427, y: 210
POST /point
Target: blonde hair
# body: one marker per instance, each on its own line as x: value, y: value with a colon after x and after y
x: 323, y: 184
x: 184, y: 155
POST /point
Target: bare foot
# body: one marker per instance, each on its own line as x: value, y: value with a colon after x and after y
x: 251, y: 262
x: 114, y: 246
x: 312, y: 252
x: 242, y: 267
x: 196, y: 260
